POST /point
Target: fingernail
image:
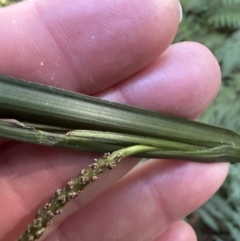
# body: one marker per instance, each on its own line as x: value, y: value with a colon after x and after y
x: 181, y: 12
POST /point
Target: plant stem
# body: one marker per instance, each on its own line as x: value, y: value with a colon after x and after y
x: 60, y: 118
x: 34, y: 103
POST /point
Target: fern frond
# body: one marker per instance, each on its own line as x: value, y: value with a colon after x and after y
x: 230, y: 2
x: 225, y: 17
x: 229, y: 54
x: 215, y: 238
x: 195, y: 6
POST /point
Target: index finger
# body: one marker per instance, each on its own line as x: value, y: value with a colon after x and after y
x: 84, y: 46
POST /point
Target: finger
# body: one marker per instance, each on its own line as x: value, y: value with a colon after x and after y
x: 84, y: 46
x: 145, y: 203
x: 183, y: 81
x: 55, y: 167
x: 179, y: 231
x: 3, y: 140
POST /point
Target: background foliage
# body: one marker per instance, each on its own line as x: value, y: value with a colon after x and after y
x: 4, y: 3
x: 216, y: 24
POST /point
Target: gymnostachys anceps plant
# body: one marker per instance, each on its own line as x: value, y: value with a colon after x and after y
x: 86, y: 123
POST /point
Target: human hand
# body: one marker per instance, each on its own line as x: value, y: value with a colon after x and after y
x: 120, y: 51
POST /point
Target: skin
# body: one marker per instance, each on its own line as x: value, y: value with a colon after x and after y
x: 120, y: 52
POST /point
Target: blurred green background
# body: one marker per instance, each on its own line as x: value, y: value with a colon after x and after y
x: 216, y: 24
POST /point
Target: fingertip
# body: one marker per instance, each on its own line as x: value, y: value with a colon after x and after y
x: 203, y: 76
x: 198, y: 70
x: 178, y: 179
x: 178, y: 231
x: 183, y: 81
x: 202, y: 57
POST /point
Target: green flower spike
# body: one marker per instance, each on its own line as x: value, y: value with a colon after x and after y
x: 73, y: 188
